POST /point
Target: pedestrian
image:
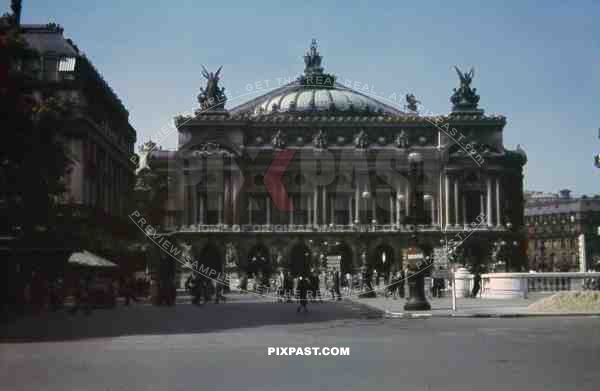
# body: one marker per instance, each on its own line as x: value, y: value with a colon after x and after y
x: 288, y: 284
x: 402, y: 278
x: 207, y: 288
x: 129, y: 291
x: 336, y: 284
x: 391, y: 291
x: 303, y: 284
x: 194, y: 286
x: 280, y: 287
x: 82, y: 296
x: 315, y: 288
x: 476, y: 284
x: 56, y: 294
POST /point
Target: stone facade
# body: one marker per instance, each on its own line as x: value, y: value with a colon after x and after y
x: 100, y: 138
x: 562, y: 232
x: 348, y: 179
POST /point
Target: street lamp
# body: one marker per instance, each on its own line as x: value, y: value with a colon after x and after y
x: 444, y: 242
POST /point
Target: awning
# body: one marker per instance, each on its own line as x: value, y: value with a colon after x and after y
x: 89, y: 259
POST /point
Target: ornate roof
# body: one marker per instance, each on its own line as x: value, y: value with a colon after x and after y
x: 297, y: 98
x: 314, y: 92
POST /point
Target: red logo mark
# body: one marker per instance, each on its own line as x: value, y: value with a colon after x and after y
x: 272, y: 181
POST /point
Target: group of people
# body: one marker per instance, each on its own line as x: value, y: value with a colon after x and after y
x: 289, y: 287
x: 203, y: 288
x: 396, y: 287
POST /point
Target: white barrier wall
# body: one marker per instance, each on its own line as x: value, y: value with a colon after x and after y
x: 518, y: 285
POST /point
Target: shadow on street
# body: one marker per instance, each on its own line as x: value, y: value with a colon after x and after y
x: 180, y: 319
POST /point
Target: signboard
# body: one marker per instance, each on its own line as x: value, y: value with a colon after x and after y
x: 413, y: 254
x: 445, y: 274
x: 334, y: 262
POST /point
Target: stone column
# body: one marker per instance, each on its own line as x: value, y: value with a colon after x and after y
x: 220, y: 208
x: 201, y: 217
x: 268, y: 207
x: 481, y: 205
x: 357, y: 202
x: 432, y: 210
x: 332, y: 213
x: 447, y: 200
x: 315, y: 206
x: 186, y: 206
x: 291, y: 222
x: 391, y: 209
x: 398, y: 209
x: 194, y: 205
x: 235, y: 200
x: 456, y: 204
x: 407, y: 200
x: 324, y: 212
x: 440, y: 205
x: 488, y: 211
x: 373, y: 207
x: 350, y: 217
x: 228, y: 200
x: 249, y: 210
x: 498, y: 215
x: 464, y: 210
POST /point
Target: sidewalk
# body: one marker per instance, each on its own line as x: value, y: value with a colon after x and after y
x: 465, y: 308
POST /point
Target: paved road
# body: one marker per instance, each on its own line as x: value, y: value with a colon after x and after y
x: 224, y: 347
x: 465, y: 306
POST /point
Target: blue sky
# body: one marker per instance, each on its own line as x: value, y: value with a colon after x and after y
x: 536, y: 62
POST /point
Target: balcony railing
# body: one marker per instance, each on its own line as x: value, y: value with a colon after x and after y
x: 286, y: 228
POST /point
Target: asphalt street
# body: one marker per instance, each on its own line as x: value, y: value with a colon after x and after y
x: 225, y: 347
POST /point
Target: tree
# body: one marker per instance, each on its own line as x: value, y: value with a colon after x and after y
x: 33, y: 156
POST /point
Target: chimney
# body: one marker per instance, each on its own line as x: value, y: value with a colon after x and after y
x: 15, y: 6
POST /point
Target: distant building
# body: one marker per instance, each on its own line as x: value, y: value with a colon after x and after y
x: 102, y: 139
x: 562, y: 231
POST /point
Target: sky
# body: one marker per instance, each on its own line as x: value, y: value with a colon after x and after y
x: 537, y: 62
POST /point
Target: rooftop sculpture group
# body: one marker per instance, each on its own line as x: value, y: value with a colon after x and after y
x: 212, y: 96
x: 465, y: 98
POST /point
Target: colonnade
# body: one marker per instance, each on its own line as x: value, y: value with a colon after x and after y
x: 318, y: 207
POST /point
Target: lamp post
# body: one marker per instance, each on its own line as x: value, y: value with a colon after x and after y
x: 444, y: 242
x: 416, y: 282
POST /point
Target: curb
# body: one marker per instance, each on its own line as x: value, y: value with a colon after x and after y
x: 428, y: 315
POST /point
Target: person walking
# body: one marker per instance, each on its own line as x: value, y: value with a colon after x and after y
x: 315, y: 293
x: 391, y: 290
x: 303, y: 285
x: 280, y: 282
x: 336, y: 284
x: 402, y: 279
x: 129, y: 291
x: 56, y: 294
x: 82, y: 296
x: 194, y: 286
x: 476, y: 283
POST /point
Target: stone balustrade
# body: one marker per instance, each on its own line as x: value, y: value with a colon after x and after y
x: 519, y: 285
x: 274, y: 228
